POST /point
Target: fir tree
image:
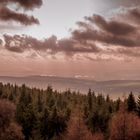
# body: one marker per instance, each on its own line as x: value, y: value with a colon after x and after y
x: 131, y: 104
x: 24, y: 113
x: 44, y: 125
x: 89, y: 99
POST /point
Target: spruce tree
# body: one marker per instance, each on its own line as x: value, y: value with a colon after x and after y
x: 107, y: 98
x: 117, y: 104
x: 24, y: 113
x: 131, y: 104
x: 90, y: 100
x: 44, y: 124
x: 39, y: 103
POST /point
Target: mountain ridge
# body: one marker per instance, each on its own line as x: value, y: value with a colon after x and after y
x: 112, y: 87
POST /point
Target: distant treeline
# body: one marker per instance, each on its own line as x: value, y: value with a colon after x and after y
x: 36, y: 114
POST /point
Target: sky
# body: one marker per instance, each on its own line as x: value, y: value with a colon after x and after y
x: 93, y: 39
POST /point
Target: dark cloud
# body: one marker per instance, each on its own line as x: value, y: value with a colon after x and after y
x: 134, y: 15
x: 9, y: 15
x: 73, y: 46
x: 113, y: 27
x: 51, y: 45
x: 19, y: 43
x: 102, y: 37
x: 6, y: 14
x: 112, y: 31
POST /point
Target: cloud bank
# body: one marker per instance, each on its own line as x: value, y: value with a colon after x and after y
x: 51, y: 45
x: 118, y: 35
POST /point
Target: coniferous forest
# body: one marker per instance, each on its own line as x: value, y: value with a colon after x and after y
x: 37, y: 114
x: 89, y: 53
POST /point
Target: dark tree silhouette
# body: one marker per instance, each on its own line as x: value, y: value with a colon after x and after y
x: 131, y: 104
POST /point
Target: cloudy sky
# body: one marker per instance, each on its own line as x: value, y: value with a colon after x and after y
x: 95, y: 39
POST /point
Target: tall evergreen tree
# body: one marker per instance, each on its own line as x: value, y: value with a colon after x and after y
x: 44, y: 125
x: 39, y: 103
x: 24, y: 113
x: 117, y: 104
x: 131, y: 104
x: 89, y: 99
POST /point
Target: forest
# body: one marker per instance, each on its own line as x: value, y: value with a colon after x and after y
x: 37, y: 114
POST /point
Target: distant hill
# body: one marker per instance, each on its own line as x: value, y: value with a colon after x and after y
x: 114, y: 87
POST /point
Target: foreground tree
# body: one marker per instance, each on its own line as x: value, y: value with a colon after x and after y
x: 43, y: 127
x: 124, y: 126
x: 9, y: 129
x: 77, y: 129
x: 25, y: 113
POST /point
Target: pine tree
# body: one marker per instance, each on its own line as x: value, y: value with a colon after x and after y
x: 24, y: 113
x: 57, y: 124
x: 39, y: 103
x: 117, y: 104
x: 44, y: 124
x: 131, y: 104
x: 89, y: 99
x: 100, y: 99
x: 107, y: 98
